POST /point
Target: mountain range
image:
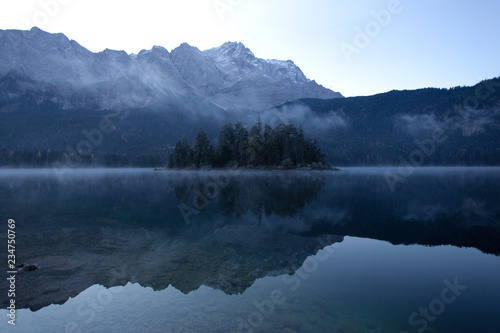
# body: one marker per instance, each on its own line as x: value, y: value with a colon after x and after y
x: 55, y: 69
x: 54, y: 92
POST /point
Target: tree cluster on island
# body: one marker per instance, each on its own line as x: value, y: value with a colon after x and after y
x: 283, y: 147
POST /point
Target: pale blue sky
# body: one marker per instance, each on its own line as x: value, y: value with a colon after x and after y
x: 438, y: 43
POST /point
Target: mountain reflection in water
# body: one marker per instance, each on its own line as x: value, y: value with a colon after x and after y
x: 112, y: 227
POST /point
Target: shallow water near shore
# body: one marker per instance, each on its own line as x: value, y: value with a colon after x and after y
x: 132, y: 250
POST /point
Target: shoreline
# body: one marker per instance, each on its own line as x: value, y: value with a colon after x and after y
x: 250, y: 169
x: 343, y: 168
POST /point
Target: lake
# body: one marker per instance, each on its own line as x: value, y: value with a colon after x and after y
x: 133, y: 250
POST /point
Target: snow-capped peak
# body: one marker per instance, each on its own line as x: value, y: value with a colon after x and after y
x: 230, y: 49
x: 228, y: 75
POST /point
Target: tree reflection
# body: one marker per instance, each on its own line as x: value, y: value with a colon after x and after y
x: 281, y: 194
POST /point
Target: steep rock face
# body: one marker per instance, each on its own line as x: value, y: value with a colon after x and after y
x: 259, y: 83
x: 53, y: 58
x: 229, y: 76
x: 199, y: 71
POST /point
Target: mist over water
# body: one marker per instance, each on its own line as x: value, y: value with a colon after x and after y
x: 187, y: 251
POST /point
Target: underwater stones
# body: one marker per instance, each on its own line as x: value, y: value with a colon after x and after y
x: 297, y: 307
x: 277, y: 325
x: 330, y: 312
x: 313, y: 320
x: 347, y: 329
x: 59, y: 265
x: 289, y: 330
x: 291, y: 322
x: 26, y: 267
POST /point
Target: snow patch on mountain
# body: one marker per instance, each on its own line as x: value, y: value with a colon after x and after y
x: 229, y: 76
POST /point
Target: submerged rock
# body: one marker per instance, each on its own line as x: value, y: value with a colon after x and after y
x: 26, y: 267
x: 291, y: 323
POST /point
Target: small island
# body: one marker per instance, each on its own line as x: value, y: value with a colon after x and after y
x: 262, y: 147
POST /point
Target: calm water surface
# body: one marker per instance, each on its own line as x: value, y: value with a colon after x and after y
x: 142, y: 251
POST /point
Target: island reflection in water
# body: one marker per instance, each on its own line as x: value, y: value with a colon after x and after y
x: 216, y: 270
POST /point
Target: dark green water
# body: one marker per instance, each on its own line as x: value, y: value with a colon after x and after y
x: 143, y: 251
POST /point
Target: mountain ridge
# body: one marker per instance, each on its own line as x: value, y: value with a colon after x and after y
x: 228, y: 76
x: 166, y: 95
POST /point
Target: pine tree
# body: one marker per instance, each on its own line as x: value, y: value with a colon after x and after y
x: 290, y: 143
x: 171, y: 161
x: 202, y: 153
x: 183, y: 153
x: 225, y: 142
x: 256, y: 129
x: 300, y: 145
x: 283, y: 145
x: 278, y: 144
x: 256, y: 144
x: 240, y: 149
x: 268, y: 151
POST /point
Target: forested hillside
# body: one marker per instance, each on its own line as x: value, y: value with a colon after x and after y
x: 458, y: 126
x: 386, y: 129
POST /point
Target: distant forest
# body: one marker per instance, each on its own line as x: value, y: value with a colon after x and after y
x: 282, y: 146
x: 379, y: 130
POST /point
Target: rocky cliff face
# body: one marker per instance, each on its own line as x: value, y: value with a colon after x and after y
x: 69, y: 75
